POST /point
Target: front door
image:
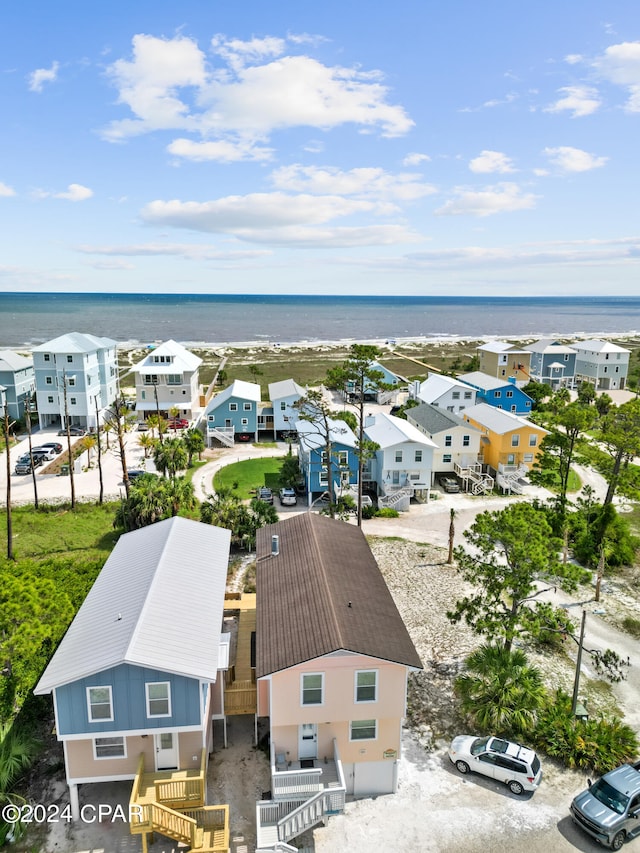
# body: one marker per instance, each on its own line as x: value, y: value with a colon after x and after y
x: 166, y: 751
x: 307, y: 741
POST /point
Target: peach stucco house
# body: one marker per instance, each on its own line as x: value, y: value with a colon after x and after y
x: 332, y: 660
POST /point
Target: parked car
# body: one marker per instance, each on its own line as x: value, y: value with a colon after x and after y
x: 136, y: 473
x: 609, y: 809
x: 265, y: 494
x: 287, y: 497
x: 178, y: 423
x: 244, y: 436
x: 57, y: 447
x: 516, y: 765
x: 74, y: 430
x: 47, y: 452
x: 449, y: 484
x: 143, y: 426
x: 23, y: 464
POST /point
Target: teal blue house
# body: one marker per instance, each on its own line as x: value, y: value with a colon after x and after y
x: 232, y: 415
x: 312, y: 457
x: 499, y: 393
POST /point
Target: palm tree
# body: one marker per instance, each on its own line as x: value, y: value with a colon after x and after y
x: 147, y: 442
x: 452, y: 534
x: 16, y: 753
x: 106, y: 428
x: 148, y: 502
x: 194, y: 442
x: 89, y: 442
x: 171, y: 457
x: 500, y: 690
x: 179, y: 492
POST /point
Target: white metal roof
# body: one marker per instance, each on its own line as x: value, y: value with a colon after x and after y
x: 285, y: 388
x: 388, y: 431
x: 434, y: 386
x: 312, y: 439
x: 548, y: 345
x: 485, y: 381
x: 499, y: 346
x: 183, y: 359
x: 12, y: 361
x: 158, y: 602
x: 597, y: 345
x: 238, y: 388
x: 497, y: 420
x: 75, y: 342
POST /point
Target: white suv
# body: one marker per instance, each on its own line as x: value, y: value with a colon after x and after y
x: 515, y: 765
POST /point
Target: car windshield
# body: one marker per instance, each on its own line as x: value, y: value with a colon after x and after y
x: 609, y: 796
x: 479, y: 745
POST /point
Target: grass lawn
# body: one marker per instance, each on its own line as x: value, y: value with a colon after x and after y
x: 245, y: 477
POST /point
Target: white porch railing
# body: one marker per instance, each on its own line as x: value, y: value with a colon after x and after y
x: 400, y: 500
x: 222, y: 434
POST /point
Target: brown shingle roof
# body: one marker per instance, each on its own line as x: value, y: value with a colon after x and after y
x: 323, y: 592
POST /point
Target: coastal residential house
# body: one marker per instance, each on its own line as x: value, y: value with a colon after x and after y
x: 552, y: 363
x: 504, y: 360
x: 510, y: 444
x: 503, y: 394
x: 601, y: 363
x: 283, y: 395
x: 167, y: 378
x: 312, y: 457
x: 232, y: 415
x: 401, y: 466
x: 383, y: 391
x: 136, y: 680
x: 18, y: 380
x: 457, y: 445
x: 83, y: 366
x: 446, y: 392
x: 332, y: 660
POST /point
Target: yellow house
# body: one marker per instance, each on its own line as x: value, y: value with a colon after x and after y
x: 504, y: 360
x: 507, y: 440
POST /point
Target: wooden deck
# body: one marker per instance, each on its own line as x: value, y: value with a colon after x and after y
x: 240, y: 694
x: 171, y: 803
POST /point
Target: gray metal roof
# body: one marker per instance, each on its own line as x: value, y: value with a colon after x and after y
x: 485, y: 381
x: 75, y: 342
x: 285, y: 388
x: 433, y: 419
x: 183, y: 359
x: 13, y: 361
x: 499, y: 420
x: 158, y: 602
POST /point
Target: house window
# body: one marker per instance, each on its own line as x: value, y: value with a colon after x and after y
x: 211, y: 419
x: 174, y: 379
x: 158, y: 699
x: 528, y: 457
x: 150, y: 379
x: 515, y: 440
x: 446, y: 457
x: 343, y: 458
x: 49, y: 380
x: 246, y: 407
x: 455, y: 395
x: 497, y: 394
x: 324, y: 476
x: 47, y: 357
x: 73, y: 401
x: 566, y: 356
x: 502, y: 359
x: 366, y: 685
x: 233, y: 407
x: 448, y: 440
x: 511, y: 459
x: 467, y: 395
x: 466, y: 440
x: 50, y: 399
x: 244, y: 421
x: 363, y: 730
x: 503, y: 372
x: 509, y: 393
x: 99, y: 704
x: 283, y: 406
x: 69, y: 359
x: 398, y: 456
x: 109, y: 747
x: 418, y: 456
x: 533, y: 440
x: 312, y: 688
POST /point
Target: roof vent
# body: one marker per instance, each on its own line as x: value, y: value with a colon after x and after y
x: 275, y: 545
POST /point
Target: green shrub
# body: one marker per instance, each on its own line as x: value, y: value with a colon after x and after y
x: 387, y: 512
x: 631, y: 626
x: 368, y: 511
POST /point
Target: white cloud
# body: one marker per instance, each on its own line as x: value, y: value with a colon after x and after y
x: 579, y: 100
x: 191, y: 251
x: 75, y: 192
x: 501, y: 198
x: 301, y: 237
x: 573, y: 58
x: 169, y: 85
x: 223, y: 150
x: 620, y: 64
x: 414, y: 159
x: 574, y: 159
x: 6, y: 190
x: 40, y: 76
x: 361, y: 182
x: 492, y: 161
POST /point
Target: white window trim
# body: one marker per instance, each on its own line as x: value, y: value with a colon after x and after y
x: 361, y: 739
x: 149, y: 684
x: 355, y: 687
x: 246, y: 407
x: 304, y: 704
x: 108, y: 687
x: 97, y: 757
x: 233, y: 407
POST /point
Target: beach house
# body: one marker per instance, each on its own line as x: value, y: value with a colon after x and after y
x: 446, y: 392
x: 501, y: 393
x: 18, y: 380
x: 232, y: 415
x: 75, y: 373
x: 602, y: 363
x: 552, y: 363
x: 402, y: 464
x: 283, y: 395
x: 503, y: 360
x: 332, y: 660
x: 137, y: 678
x: 314, y: 440
x: 167, y: 379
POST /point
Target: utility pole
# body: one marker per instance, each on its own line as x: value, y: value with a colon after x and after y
x: 576, y: 680
x: 101, y: 499
x: 67, y: 427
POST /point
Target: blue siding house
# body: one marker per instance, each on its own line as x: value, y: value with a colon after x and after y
x: 138, y: 673
x: 552, y: 363
x: 371, y: 390
x: 17, y: 379
x: 233, y: 414
x: 500, y: 393
x: 312, y: 456
x: 283, y: 395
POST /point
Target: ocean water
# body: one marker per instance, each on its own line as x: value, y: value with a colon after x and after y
x: 30, y: 319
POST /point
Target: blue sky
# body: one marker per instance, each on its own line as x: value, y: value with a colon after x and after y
x: 415, y: 147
